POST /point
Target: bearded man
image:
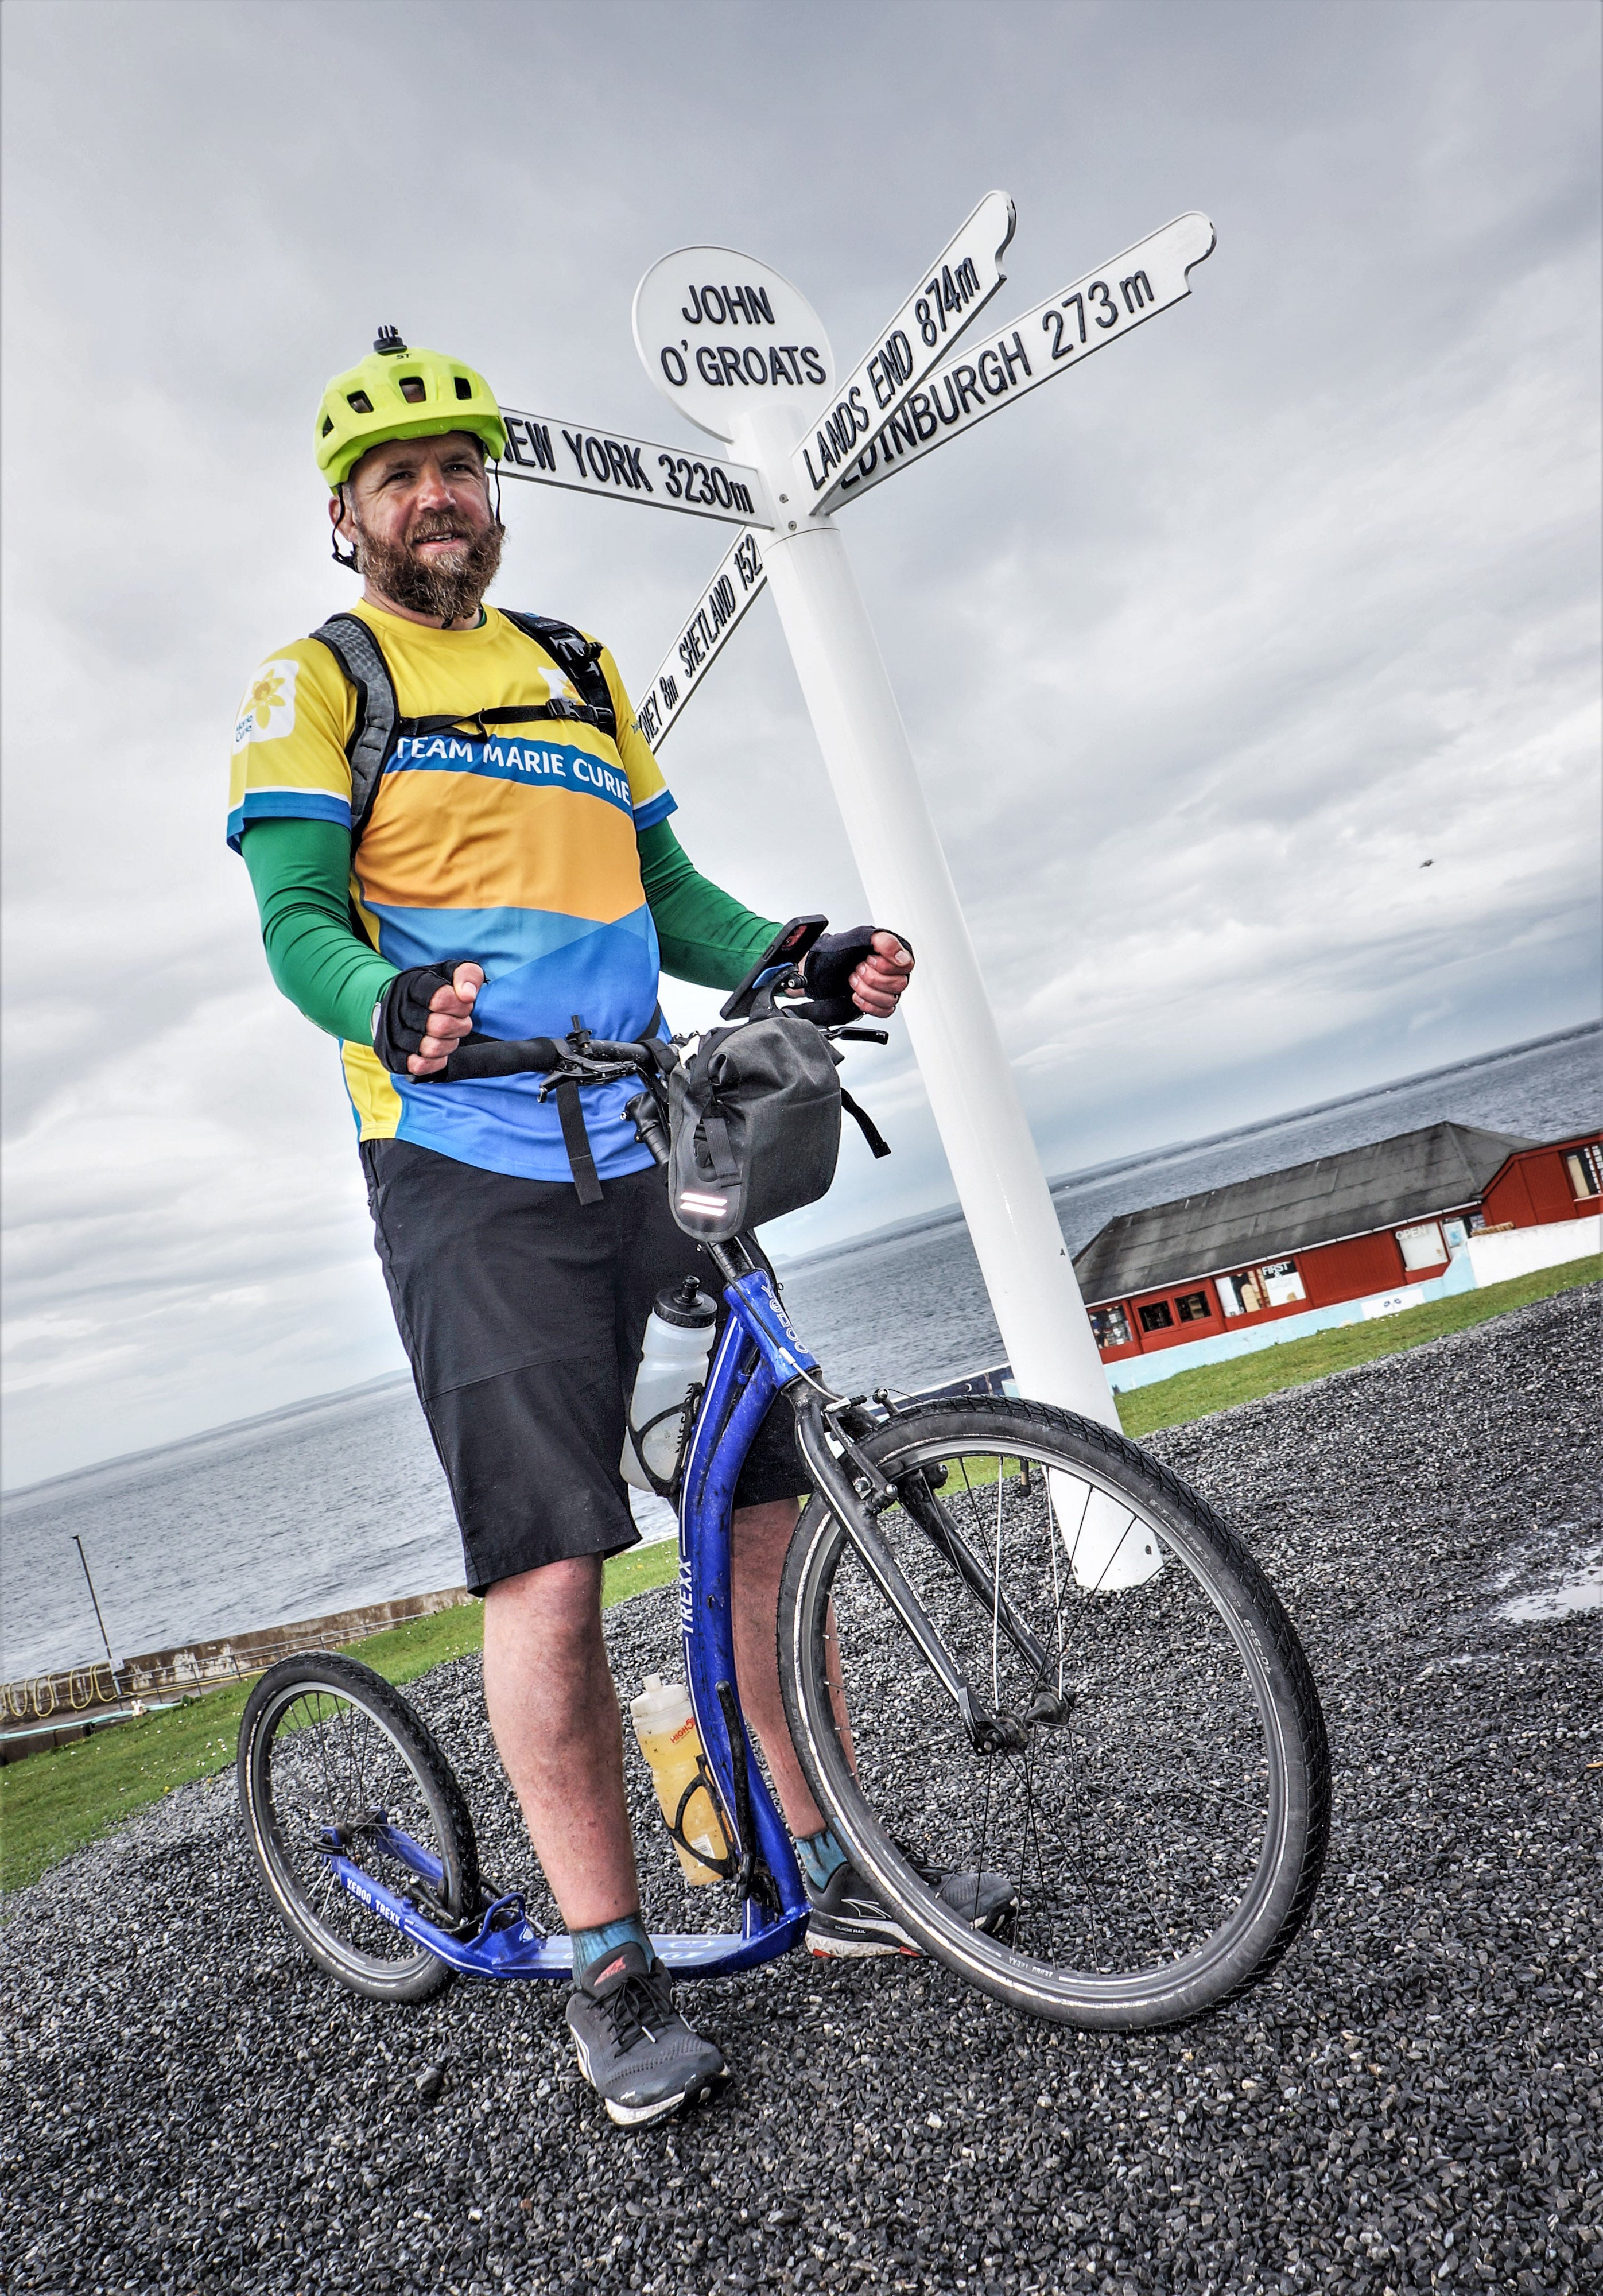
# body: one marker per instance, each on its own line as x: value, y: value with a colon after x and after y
x: 419, y: 875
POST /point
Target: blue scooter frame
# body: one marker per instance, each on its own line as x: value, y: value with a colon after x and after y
x: 757, y: 1356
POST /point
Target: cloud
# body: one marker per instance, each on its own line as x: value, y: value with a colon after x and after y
x: 1201, y: 653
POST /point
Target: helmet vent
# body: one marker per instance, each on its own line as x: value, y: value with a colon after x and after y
x: 388, y: 342
x: 328, y: 424
x: 412, y: 387
x: 359, y: 402
x: 464, y: 389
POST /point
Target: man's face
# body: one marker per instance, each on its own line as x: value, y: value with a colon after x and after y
x: 418, y: 512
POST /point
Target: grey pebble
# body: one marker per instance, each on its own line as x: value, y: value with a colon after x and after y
x: 1411, y: 2101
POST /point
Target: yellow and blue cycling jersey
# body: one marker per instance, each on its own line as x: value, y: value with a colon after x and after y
x: 518, y: 851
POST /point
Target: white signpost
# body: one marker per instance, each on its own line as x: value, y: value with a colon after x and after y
x: 743, y: 355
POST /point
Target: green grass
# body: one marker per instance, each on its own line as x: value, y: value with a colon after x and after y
x: 1215, y: 1387
x: 53, y: 1804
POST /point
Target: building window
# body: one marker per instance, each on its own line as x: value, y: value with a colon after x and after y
x: 1193, y: 1307
x: 1156, y: 1316
x: 1275, y: 1285
x: 1111, y: 1327
x: 1421, y: 1246
x: 1585, y: 1169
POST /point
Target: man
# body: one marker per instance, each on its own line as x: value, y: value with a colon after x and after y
x: 515, y: 867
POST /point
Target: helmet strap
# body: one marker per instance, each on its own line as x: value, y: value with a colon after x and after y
x: 346, y: 558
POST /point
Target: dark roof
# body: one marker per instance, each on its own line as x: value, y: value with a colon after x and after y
x: 1410, y: 1176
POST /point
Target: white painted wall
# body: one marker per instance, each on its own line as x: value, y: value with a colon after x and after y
x: 1517, y: 1250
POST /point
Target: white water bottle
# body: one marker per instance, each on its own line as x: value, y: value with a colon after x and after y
x: 679, y: 1340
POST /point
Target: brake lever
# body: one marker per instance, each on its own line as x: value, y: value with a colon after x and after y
x: 860, y: 1036
x: 581, y: 1071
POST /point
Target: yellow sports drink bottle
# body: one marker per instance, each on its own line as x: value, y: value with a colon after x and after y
x: 666, y: 1727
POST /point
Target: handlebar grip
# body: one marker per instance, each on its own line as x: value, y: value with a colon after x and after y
x: 498, y: 1057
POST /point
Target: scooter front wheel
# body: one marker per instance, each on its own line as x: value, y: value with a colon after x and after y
x: 1148, y: 1804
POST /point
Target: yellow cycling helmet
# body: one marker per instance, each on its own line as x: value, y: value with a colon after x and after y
x: 399, y: 393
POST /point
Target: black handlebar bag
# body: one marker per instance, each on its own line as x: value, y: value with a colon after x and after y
x: 753, y: 1126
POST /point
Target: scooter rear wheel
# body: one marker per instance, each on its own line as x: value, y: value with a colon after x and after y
x: 331, y: 1757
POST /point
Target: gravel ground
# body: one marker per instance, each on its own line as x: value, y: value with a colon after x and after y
x: 1413, y: 2100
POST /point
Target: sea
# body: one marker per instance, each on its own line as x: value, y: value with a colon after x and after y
x: 338, y: 1502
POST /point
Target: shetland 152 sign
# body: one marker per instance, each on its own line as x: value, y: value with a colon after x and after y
x: 708, y: 628
x: 719, y: 331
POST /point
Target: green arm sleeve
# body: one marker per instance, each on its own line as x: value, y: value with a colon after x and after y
x: 704, y: 935
x: 300, y: 874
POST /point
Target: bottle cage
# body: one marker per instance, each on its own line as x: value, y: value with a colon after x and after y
x: 686, y: 1413
x: 724, y: 1867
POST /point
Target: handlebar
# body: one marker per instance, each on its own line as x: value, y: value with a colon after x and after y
x: 591, y: 1060
x: 594, y: 1059
x: 494, y: 1056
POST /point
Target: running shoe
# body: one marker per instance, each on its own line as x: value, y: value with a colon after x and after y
x: 634, y: 2049
x: 849, y: 1919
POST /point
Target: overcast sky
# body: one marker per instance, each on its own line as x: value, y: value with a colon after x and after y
x: 1203, y: 651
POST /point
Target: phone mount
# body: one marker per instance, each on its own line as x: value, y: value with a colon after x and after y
x: 782, y: 958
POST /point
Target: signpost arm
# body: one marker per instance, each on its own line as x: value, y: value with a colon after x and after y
x: 1000, y: 1183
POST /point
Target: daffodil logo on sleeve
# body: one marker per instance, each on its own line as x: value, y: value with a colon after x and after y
x: 268, y: 712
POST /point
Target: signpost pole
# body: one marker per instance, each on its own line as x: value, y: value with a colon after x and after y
x: 1000, y: 1183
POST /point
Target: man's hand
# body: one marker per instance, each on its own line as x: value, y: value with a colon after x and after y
x: 882, y: 976
x: 450, y: 1018
x: 424, y: 1015
x: 867, y: 965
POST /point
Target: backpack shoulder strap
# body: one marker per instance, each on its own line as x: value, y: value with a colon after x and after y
x: 378, y: 716
x: 579, y: 656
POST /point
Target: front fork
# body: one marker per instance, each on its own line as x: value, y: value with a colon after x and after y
x: 851, y: 1497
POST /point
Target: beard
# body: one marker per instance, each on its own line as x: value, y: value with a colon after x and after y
x: 447, y: 590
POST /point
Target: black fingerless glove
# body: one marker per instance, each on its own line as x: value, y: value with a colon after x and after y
x: 828, y: 967
x: 401, y: 1016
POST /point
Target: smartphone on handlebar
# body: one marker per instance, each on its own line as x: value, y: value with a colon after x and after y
x: 783, y: 954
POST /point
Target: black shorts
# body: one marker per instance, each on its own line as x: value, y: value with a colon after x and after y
x: 523, y: 1313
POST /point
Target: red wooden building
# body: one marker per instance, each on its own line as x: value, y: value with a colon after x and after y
x: 1368, y: 1221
